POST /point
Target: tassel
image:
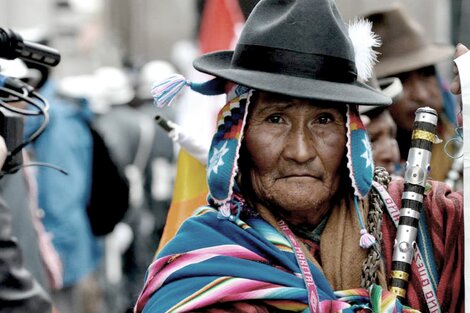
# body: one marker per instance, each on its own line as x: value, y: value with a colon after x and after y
x: 164, y: 92
x: 367, y: 240
x: 224, y: 211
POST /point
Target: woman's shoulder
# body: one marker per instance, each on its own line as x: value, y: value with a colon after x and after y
x: 203, y: 228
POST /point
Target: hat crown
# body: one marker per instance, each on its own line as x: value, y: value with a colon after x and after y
x: 283, y: 34
x: 404, y: 36
x: 405, y: 46
x: 287, y: 24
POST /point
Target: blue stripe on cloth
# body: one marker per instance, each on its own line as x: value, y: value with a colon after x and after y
x: 426, y: 249
x: 207, y: 230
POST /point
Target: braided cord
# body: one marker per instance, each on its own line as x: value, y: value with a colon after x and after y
x: 371, y: 264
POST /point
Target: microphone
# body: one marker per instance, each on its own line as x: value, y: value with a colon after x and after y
x: 13, y: 46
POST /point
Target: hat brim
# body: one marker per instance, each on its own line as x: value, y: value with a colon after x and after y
x: 219, y: 64
x: 408, y: 62
x: 390, y: 86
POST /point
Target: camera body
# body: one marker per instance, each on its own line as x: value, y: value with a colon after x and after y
x: 11, y: 129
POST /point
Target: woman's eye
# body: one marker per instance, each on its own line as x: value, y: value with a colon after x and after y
x: 325, y: 118
x: 275, y: 119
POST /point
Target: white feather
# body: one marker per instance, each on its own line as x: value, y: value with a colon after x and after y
x: 364, y: 40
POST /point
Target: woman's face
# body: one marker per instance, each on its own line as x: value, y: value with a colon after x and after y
x: 382, y: 132
x: 295, y: 149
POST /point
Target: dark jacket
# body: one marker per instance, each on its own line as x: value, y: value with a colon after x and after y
x: 19, y: 291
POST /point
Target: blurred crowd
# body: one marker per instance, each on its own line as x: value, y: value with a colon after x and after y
x: 87, y: 228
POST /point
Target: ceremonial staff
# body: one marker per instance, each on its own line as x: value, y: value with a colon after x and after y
x: 416, y: 173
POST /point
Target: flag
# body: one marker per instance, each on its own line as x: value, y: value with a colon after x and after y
x: 189, y: 192
x: 221, y: 23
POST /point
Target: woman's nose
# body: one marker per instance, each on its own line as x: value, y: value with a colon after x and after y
x: 300, y: 145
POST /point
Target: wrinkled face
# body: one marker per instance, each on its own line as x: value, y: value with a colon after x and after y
x: 420, y: 88
x: 382, y: 132
x: 296, y: 148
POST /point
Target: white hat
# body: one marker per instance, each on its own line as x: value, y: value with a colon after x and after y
x: 83, y: 86
x: 391, y: 87
x: 115, y: 84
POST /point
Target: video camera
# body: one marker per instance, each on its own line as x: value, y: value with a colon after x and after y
x: 14, y: 91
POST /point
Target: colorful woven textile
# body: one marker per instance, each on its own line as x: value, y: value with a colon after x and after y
x: 214, y: 260
x: 223, y: 154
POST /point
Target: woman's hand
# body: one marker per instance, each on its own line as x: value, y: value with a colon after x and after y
x: 455, y: 85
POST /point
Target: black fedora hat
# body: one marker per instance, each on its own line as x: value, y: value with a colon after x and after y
x: 299, y: 48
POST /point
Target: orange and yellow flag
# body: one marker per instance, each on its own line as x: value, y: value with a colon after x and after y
x: 189, y: 193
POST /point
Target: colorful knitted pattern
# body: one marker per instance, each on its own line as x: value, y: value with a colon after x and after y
x: 224, y: 151
x: 360, y: 162
x: 212, y: 261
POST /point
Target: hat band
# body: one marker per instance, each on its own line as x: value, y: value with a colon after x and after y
x: 294, y: 63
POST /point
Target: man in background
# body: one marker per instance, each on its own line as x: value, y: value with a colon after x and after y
x: 407, y: 54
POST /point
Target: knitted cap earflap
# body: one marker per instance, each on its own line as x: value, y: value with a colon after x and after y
x: 222, y: 164
x: 360, y: 165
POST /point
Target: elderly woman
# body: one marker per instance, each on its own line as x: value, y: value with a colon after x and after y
x: 292, y: 222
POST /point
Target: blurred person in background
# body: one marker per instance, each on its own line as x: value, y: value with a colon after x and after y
x: 381, y: 127
x: 144, y: 154
x: 406, y: 53
x: 160, y: 174
x: 147, y: 75
x: 67, y: 142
